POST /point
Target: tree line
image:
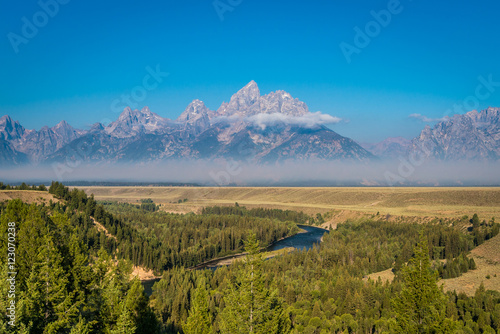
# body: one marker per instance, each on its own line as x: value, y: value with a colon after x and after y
x: 325, y: 289
x: 159, y: 240
x: 69, y: 280
x: 60, y: 286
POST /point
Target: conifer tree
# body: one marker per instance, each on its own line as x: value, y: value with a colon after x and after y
x: 81, y: 327
x: 199, y: 320
x: 137, y: 304
x: 125, y: 324
x: 249, y: 306
x: 421, y: 305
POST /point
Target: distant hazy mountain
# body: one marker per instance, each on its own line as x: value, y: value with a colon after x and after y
x: 392, y: 147
x: 34, y: 145
x: 472, y: 136
x: 250, y: 127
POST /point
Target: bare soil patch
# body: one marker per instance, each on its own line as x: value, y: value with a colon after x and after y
x: 143, y: 274
x: 101, y: 228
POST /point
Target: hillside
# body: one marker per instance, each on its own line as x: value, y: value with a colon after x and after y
x: 27, y: 196
x: 487, y: 259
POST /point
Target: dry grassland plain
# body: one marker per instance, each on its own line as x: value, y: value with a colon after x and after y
x: 414, y: 201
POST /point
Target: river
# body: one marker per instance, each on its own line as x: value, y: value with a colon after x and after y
x: 302, y: 240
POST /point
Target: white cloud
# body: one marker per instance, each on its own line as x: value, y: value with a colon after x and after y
x: 264, y: 120
x: 426, y: 119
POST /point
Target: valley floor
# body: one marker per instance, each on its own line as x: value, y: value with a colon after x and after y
x: 407, y: 201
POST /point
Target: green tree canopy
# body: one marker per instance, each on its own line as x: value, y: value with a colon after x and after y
x: 421, y: 305
x: 249, y: 306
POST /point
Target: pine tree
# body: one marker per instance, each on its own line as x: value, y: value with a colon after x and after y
x: 137, y: 303
x: 125, y: 324
x: 249, y: 306
x: 81, y: 328
x: 421, y: 305
x: 199, y: 319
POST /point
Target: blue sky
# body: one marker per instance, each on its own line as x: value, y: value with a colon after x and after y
x: 83, y: 58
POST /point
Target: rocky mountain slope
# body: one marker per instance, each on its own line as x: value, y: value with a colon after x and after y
x: 471, y: 136
x: 30, y: 145
x: 250, y: 127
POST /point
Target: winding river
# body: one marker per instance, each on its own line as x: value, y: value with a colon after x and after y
x: 304, y: 240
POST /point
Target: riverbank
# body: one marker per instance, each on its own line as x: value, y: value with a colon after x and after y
x: 306, y: 238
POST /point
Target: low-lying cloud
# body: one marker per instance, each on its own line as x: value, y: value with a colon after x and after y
x: 264, y: 120
x: 288, y: 173
x: 426, y: 119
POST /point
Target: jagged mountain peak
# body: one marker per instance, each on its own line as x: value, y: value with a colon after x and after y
x: 132, y: 122
x: 488, y: 115
x: 136, y: 114
x: 194, y: 110
x: 62, y: 125
x: 195, y: 117
x: 470, y: 136
x: 243, y: 102
x: 5, y: 119
x: 10, y: 129
x: 65, y: 130
x: 139, y: 116
x: 7, y: 122
x: 282, y: 102
x: 248, y: 101
x: 250, y: 88
x: 250, y: 91
x: 472, y: 113
x: 196, y: 102
x: 96, y: 127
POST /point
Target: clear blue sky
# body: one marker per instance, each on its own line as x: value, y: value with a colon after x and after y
x: 91, y: 52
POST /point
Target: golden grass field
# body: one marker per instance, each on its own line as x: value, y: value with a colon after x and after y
x: 28, y: 196
x: 487, y: 258
x: 414, y: 201
x: 385, y: 275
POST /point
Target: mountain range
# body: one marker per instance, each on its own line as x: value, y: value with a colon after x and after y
x: 252, y: 127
